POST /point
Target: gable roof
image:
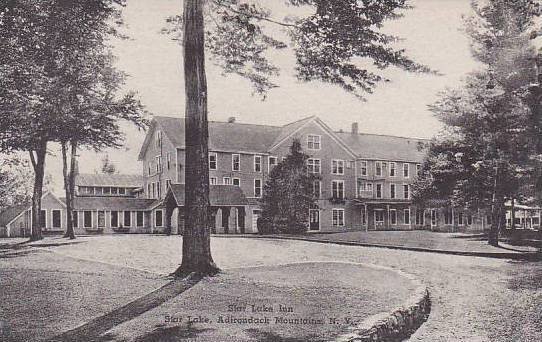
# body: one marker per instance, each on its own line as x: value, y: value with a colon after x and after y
x: 385, y: 147
x: 239, y: 137
x: 119, y: 180
x: 223, y: 136
x: 226, y: 195
x: 10, y: 213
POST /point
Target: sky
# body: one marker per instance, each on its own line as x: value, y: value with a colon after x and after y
x: 432, y: 33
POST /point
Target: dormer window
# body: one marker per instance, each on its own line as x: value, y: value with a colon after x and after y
x: 313, y: 142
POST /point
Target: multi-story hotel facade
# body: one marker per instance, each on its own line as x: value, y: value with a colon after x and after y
x: 365, y: 184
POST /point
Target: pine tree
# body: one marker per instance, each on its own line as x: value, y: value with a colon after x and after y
x: 288, y: 195
x: 484, y: 155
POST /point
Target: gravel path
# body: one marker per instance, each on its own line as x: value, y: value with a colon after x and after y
x: 474, y: 299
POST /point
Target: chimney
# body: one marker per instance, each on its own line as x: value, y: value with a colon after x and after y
x: 231, y: 119
x: 355, y: 128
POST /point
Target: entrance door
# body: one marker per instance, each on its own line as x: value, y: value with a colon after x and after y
x: 314, y: 219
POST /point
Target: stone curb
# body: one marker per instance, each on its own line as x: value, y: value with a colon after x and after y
x: 530, y: 256
x: 396, y: 325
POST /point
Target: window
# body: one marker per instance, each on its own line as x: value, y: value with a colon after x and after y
x: 406, y: 216
x: 159, y: 189
x: 226, y: 180
x: 122, y: 191
x: 153, y: 190
x: 75, y: 219
x: 127, y: 218
x: 337, y: 188
x: 257, y: 163
x: 418, y: 169
x: 56, y: 219
x: 158, y: 164
x: 393, y: 216
x: 379, y: 191
x: 272, y: 162
x: 379, y: 216
x: 168, y: 183
x: 364, y: 188
x: 158, y: 218
x: 168, y: 160
x: 363, y: 216
x: 87, y: 219
x: 149, y: 190
x: 114, y: 219
x: 313, y: 142
x: 469, y: 219
x: 212, y: 161
x: 316, y: 191
x: 337, y: 167
x: 114, y: 191
x: 392, y: 169
x: 460, y: 219
x: 337, y: 217
x: 158, y: 139
x: 406, y: 191
x: 448, y: 217
x: 434, y: 217
x: 149, y: 169
x: 235, y: 162
x: 378, y: 168
x: 392, y: 190
x: 139, y: 219
x: 212, y: 180
x: 420, y: 217
x: 363, y: 168
x: 257, y: 188
x: 43, y: 218
x: 313, y: 165
x: 405, y: 170
x: 101, y: 218
x: 237, y: 181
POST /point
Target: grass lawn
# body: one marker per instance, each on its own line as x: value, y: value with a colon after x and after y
x: 460, y: 242
x: 43, y: 294
x: 330, y: 297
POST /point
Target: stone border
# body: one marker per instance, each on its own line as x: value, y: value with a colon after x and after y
x: 399, y: 323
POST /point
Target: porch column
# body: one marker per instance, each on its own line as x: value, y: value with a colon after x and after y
x: 388, y: 225
x: 241, y: 219
x: 366, y: 217
x: 170, y: 207
x: 225, y: 219
x: 214, y: 211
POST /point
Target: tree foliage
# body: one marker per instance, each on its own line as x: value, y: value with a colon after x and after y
x: 15, y: 181
x: 288, y: 195
x: 338, y: 42
x: 487, y: 151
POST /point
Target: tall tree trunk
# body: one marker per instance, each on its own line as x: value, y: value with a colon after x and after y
x: 38, y: 164
x: 493, y: 236
x: 196, y: 239
x: 68, y: 173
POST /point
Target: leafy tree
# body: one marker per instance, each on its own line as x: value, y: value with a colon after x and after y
x: 331, y: 43
x: 65, y: 88
x: 15, y: 181
x: 484, y: 155
x: 288, y: 194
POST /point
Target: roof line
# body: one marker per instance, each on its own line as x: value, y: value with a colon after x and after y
x: 382, y: 135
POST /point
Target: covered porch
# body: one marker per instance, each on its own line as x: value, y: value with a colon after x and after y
x: 386, y: 214
x: 228, y: 209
